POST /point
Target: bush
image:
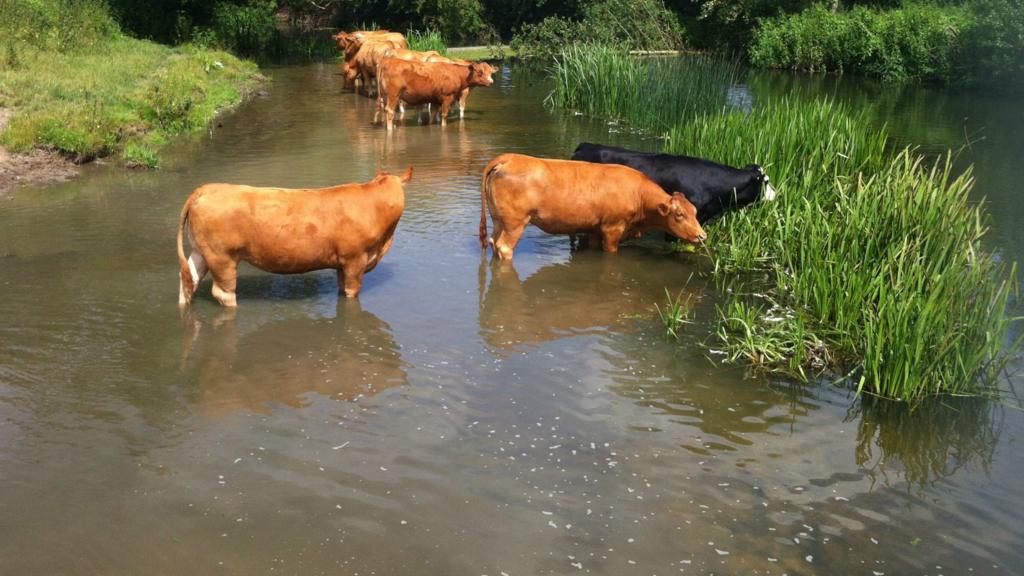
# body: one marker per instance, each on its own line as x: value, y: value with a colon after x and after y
x: 61, y: 25
x: 246, y: 29
x: 924, y: 42
x: 426, y: 40
x: 605, y: 22
x: 996, y: 43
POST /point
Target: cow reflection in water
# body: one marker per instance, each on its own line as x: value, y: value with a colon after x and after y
x: 590, y: 294
x: 285, y: 362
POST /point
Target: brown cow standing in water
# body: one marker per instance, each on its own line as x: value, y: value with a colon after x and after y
x: 437, y: 83
x: 348, y: 227
x: 567, y: 197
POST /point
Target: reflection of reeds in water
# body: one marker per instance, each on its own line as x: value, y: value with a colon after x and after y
x: 932, y: 441
x: 649, y: 93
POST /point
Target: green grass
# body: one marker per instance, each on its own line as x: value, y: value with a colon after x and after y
x: 675, y: 314
x: 605, y: 81
x: 426, y: 40
x: 111, y: 95
x: 917, y: 41
x: 496, y: 52
x: 879, y: 253
x: 870, y: 265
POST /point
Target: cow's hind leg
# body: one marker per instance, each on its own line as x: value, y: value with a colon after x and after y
x: 197, y: 267
x: 225, y: 279
x: 505, y: 246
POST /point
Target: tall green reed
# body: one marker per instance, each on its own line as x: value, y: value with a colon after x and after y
x: 648, y: 93
x: 881, y: 250
x: 426, y: 40
x: 870, y: 262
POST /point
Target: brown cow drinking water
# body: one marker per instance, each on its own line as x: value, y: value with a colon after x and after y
x: 348, y: 227
x: 609, y: 201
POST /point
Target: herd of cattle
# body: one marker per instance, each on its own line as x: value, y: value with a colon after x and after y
x: 608, y: 193
x: 404, y: 76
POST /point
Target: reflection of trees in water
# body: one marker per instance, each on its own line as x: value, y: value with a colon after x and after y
x: 933, y: 440
x: 591, y: 293
x: 281, y: 362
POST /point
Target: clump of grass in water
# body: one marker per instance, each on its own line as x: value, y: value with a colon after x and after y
x: 426, y: 40
x: 649, y: 93
x: 676, y: 313
x: 880, y: 253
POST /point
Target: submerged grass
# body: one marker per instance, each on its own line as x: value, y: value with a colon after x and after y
x: 648, y: 93
x: 870, y: 262
x: 113, y: 94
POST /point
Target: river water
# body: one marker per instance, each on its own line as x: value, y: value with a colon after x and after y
x: 460, y: 417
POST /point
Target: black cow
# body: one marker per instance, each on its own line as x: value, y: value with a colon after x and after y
x: 713, y: 188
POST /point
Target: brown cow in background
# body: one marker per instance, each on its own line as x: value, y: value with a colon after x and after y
x: 348, y: 227
x: 436, y: 83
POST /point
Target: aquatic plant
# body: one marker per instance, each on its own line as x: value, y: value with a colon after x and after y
x: 426, y: 40
x: 676, y: 313
x: 879, y: 252
x: 871, y: 261
x: 648, y: 93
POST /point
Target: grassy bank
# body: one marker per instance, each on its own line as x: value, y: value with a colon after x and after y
x: 77, y: 85
x: 869, y: 264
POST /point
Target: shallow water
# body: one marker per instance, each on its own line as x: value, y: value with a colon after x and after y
x: 460, y: 417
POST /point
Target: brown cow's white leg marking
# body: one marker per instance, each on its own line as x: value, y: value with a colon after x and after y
x: 197, y: 267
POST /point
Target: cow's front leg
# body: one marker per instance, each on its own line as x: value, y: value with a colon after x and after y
x: 446, y: 104
x: 350, y: 276
x: 610, y: 237
x: 462, y: 103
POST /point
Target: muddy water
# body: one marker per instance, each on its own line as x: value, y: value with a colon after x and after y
x: 460, y: 418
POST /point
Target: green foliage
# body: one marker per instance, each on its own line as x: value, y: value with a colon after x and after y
x: 246, y: 29
x: 426, y: 40
x: 907, y: 296
x: 605, y: 81
x: 914, y: 42
x: 61, y: 25
x: 996, y: 43
x: 605, y: 22
x: 676, y: 313
x: 118, y: 93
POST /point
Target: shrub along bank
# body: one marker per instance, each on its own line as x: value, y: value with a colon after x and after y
x: 870, y: 262
x: 77, y: 85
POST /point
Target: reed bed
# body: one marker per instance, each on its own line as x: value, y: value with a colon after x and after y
x: 874, y: 255
x: 869, y: 265
x: 426, y: 40
x: 648, y: 93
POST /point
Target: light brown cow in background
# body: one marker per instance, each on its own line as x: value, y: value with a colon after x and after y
x: 436, y: 83
x: 567, y: 197
x: 465, y: 93
x: 348, y: 227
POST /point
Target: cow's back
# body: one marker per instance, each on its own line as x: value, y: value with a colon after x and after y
x: 294, y: 230
x: 566, y: 195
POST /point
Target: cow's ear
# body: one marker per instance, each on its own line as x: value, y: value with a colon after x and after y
x: 665, y: 208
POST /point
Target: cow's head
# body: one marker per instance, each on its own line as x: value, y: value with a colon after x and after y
x: 349, y: 73
x: 681, y: 218
x: 767, y: 192
x: 480, y: 74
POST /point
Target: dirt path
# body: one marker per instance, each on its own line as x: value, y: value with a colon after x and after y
x: 36, y: 167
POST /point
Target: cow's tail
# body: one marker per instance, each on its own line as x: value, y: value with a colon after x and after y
x: 485, y: 185
x: 187, y: 282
